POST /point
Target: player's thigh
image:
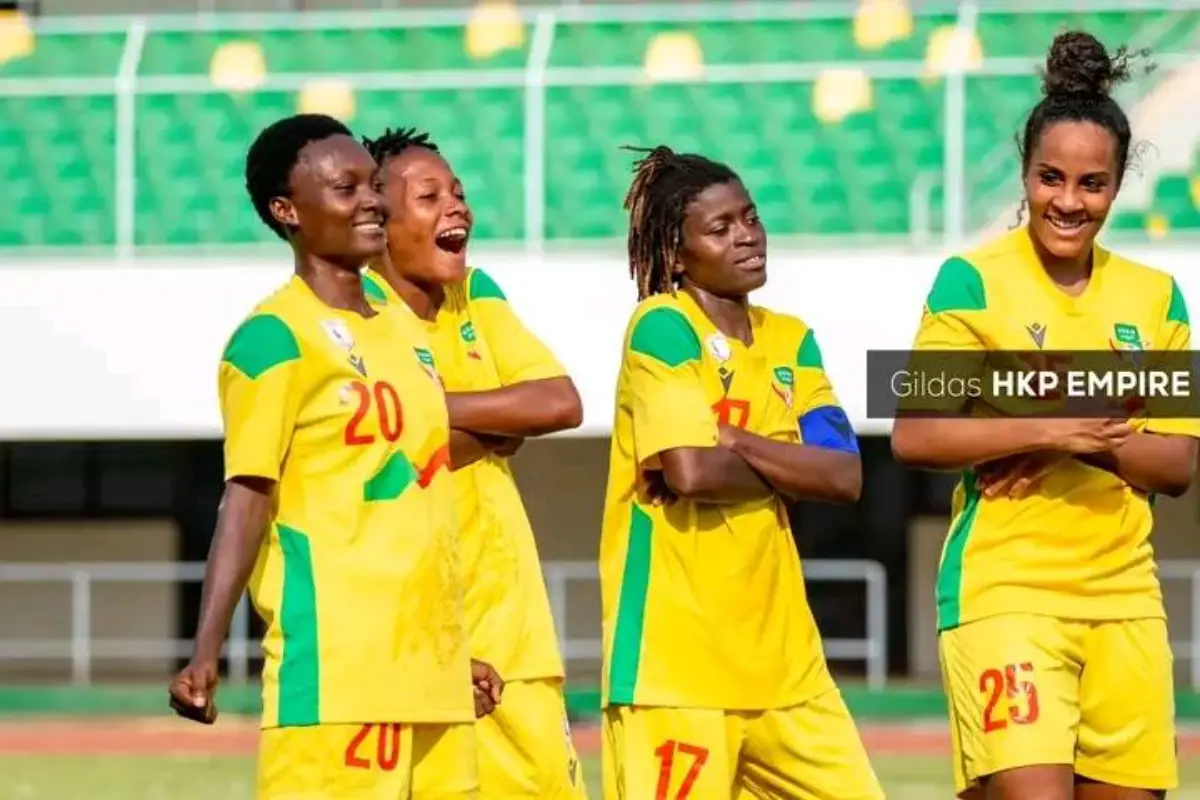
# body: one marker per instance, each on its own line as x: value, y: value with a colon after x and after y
x: 669, y: 753
x: 355, y: 762
x: 525, y: 747
x: 444, y: 762
x: 811, y: 751
x: 1013, y: 685
x: 1127, y: 698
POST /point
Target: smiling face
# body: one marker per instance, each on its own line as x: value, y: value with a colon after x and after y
x: 1070, y: 186
x: 724, y: 244
x: 334, y: 202
x: 430, y: 222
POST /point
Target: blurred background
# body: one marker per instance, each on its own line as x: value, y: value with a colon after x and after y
x: 875, y: 135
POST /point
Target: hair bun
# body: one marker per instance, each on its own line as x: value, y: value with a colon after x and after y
x: 1079, y: 64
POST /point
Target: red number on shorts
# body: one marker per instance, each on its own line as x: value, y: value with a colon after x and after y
x: 732, y: 412
x: 666, y: 758
x: 387, y: 404
x: 388, y: 752
x: 1010, y: 682
x: 387, y: 747
x: 353, y: 759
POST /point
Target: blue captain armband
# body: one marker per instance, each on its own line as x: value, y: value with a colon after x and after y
x: 828, y: 427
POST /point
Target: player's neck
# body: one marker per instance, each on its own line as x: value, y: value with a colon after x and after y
x: 425, y: 300
x: 730, y: 315
x: 1066, y: 272
x: 336, y: 285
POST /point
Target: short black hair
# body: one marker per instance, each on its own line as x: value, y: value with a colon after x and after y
x: 664, y: 183
x: 274, y: 153
x: 394, y: 142
x: 1076, y: 81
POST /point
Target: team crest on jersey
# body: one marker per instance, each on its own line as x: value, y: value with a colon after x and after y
x: 784, y: 384
x: 1037, y: 332
x: 467, y: 331
x: 425, y: 359
x: 1127, y: 337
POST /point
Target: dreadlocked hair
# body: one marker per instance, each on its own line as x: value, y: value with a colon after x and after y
x: 394, y: 142
x: 274, y: 153
x: 664, y: 184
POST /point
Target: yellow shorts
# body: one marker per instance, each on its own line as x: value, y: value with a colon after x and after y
x: 1027, y: 689
x: 368, y: 762
x: 807, y: 752
x: 525, y: 747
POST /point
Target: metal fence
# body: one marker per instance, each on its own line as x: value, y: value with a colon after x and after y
x: 82, y: 648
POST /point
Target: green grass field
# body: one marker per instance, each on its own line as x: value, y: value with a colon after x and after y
x: 231, y: 778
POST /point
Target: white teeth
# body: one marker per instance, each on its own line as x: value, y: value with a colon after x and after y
x: 453, y: 233
x: 369, y: 226
x: 754, y: 261
x: 1065, y: 225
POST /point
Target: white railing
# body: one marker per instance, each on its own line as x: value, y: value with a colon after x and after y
x: 536, y: 76
x: 82, y: 647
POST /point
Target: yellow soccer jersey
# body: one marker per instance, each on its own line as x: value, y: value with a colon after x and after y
x: 358, y: 578
x: 480, y: 345
x: 704, y: 605
x: 1079, y: 546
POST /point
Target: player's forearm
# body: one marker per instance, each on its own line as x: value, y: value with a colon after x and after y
x: 530, y: 408
x: 1151, y: 463
x: 801, y: 472
x: 241, y: 524
x: 465, y: 449
x: 955, y: 444
x: 712, y: 475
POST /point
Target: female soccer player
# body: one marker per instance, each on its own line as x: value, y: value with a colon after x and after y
x: 715, y: 684
x: 1053, y: 638
x: 502, y: 385
x: 335, y: 439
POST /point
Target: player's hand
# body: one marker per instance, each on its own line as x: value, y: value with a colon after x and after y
x: 508, y: 446
x: 488, y: 686
x: 503, y: 446
x: 1016, y: 476
x: 655, y: 488
x: 1082, y: 436
x: 193, y: 692
x: 727, y: 435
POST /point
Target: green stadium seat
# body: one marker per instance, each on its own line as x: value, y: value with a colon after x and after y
x: 841, y: 178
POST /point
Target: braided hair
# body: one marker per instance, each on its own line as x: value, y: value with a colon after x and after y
x: 273, y: 155
x: 664, y: 184
x: 394, y: 142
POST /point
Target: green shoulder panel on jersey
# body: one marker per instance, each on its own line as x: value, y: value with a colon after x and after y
x: 261, y: 342
x: 809, y: 354
x: 957, y: 287
x: 300, y: 665
x: 1177, y: 311
x: 665, y: 335
x: 631, y: 610
x: 374, y: 292
x: 480, y: 286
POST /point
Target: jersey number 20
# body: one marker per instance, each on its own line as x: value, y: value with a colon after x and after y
x: 382, y: 399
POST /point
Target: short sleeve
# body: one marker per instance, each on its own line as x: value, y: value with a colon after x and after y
x: 947, y: 345
x: 663, y: 387
x: 821, y: 420
x: 259, y: 396
x: 519, y: 354
x: 1177, y: 338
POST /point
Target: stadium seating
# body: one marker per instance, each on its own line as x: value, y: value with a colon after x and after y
x: 840, y: 153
